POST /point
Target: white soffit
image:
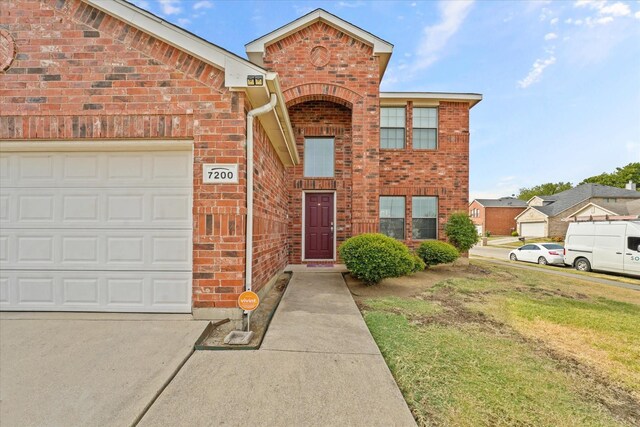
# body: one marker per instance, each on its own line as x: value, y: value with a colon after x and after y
x: 383, y: 49
x: 236, y: 68
x: 428, y: 98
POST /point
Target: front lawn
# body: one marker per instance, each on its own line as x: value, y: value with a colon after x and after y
x: 494, y: 345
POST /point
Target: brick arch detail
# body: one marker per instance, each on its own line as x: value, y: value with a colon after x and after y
x: 321, y: 92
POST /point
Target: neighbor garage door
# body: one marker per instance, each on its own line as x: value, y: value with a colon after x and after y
x: 96, y: 231
x: 532, y: 229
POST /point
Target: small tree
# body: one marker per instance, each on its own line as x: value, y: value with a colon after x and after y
x: 461, y: 231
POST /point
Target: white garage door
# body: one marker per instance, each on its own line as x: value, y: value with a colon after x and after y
x: 532, y: 229
x: 96, y: 231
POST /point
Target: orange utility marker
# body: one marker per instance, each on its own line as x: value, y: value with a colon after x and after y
x: 248, y: 301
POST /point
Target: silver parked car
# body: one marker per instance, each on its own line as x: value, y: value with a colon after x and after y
x: 541, y: 253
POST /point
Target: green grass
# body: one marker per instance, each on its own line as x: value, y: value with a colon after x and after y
x: 513, y: 347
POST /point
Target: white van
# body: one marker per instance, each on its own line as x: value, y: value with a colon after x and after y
x: 604, y: 245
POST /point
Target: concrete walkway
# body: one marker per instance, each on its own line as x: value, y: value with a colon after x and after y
x: 318, y: 366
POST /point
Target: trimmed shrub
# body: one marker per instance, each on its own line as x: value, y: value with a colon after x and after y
x: 434, y: 252
x: 461, y: 231
x: 488, y: 233
x: 514, y: 233
x: 418, y: 263
x: 373, y: 257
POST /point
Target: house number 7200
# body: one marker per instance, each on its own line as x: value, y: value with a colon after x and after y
x: 220, y: 173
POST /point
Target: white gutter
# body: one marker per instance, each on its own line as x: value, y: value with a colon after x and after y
x: 249, y: 235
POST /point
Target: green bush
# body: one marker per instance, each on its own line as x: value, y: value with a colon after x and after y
x: 487, y: 233
x: 461, y: 231
x: 418, y: 263
x: 434, y: 252
x: 514, y: 233
x: 373, y: 257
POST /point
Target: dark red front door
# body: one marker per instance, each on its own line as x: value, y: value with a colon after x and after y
x: 318, y: 227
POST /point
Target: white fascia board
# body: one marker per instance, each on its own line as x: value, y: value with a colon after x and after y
x: 255, y: 49
x: 430, y: 97
x: 527, y: 210
x: 236, y: 69
x: 588, y: 206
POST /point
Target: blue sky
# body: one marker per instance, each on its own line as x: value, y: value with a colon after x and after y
x: 560, y: 80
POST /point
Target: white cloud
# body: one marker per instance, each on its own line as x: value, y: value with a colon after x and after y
x: 637, y: 15
x: 170, y: 7
x: 554, y: 21
x: 616, y: 9
x: 352, y: 4
x: 550, y: 36
x: 605, y: 8
x: 183, y: 21
x: 535, y: 74
x: 203, y: 4
x: 435, y: 37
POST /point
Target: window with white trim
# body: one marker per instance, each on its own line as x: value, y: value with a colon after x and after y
x: 318, y: 157
x: 392, y: 216
x: 425, y: 128
x: 392, y: 127
x: 424, y: 217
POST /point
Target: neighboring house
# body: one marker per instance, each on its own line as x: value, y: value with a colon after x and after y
x: 496, y: 216
x: 124, y: 168
x: 545, y: 214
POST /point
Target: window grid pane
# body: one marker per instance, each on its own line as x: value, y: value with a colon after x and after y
x: 319, y: 157
x: 392, y: 214
x: 424, y: 138
x: 424, y: 217
x: 392, y: 117
x: 392, y: 138
x: 425, y: 118
x: 425, y: 128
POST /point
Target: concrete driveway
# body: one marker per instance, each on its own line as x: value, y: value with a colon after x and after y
x: 88, y: 369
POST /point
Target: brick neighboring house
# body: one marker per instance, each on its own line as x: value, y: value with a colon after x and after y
x: 546, y: 214
x: 112, y: 119
x: 496, y: 216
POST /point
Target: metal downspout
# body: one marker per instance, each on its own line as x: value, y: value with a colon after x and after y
x: 249, y: 234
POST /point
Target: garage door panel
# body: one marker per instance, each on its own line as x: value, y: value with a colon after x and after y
x: 65, y: 249
x: 104, y: 208
x: 95, y: 291
x: 532, y: 229
x: 96, y: 231
x: 104, y: 169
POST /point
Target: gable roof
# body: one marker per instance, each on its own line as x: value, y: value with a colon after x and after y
x: 255, y: 49
x: 502, y: 202
x: 276, y: 123
x: 568, y: 198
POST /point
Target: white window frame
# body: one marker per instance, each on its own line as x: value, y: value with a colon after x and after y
x: 333, y: 158
x: 414, y: 127
x: 436, y: 217
x: 404, y: 128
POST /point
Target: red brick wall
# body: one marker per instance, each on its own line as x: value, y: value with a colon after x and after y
x: 443, y: 172
x: 501, y: 221
x: 270, y: 205
x: 81, y: 74
x: 321, y: 118
x: 350, y: 77
x: 479, y: 220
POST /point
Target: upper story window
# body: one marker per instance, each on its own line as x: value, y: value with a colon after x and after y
x: 392, y: 127
x: 425, y: 128
x: 318, y: 157
x: 392, y: 216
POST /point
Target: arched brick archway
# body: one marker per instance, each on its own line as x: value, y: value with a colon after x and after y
x: 322, y: 92
x: 364, y: 160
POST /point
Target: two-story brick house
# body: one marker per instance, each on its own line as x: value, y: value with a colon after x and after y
x: 114, y: 122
